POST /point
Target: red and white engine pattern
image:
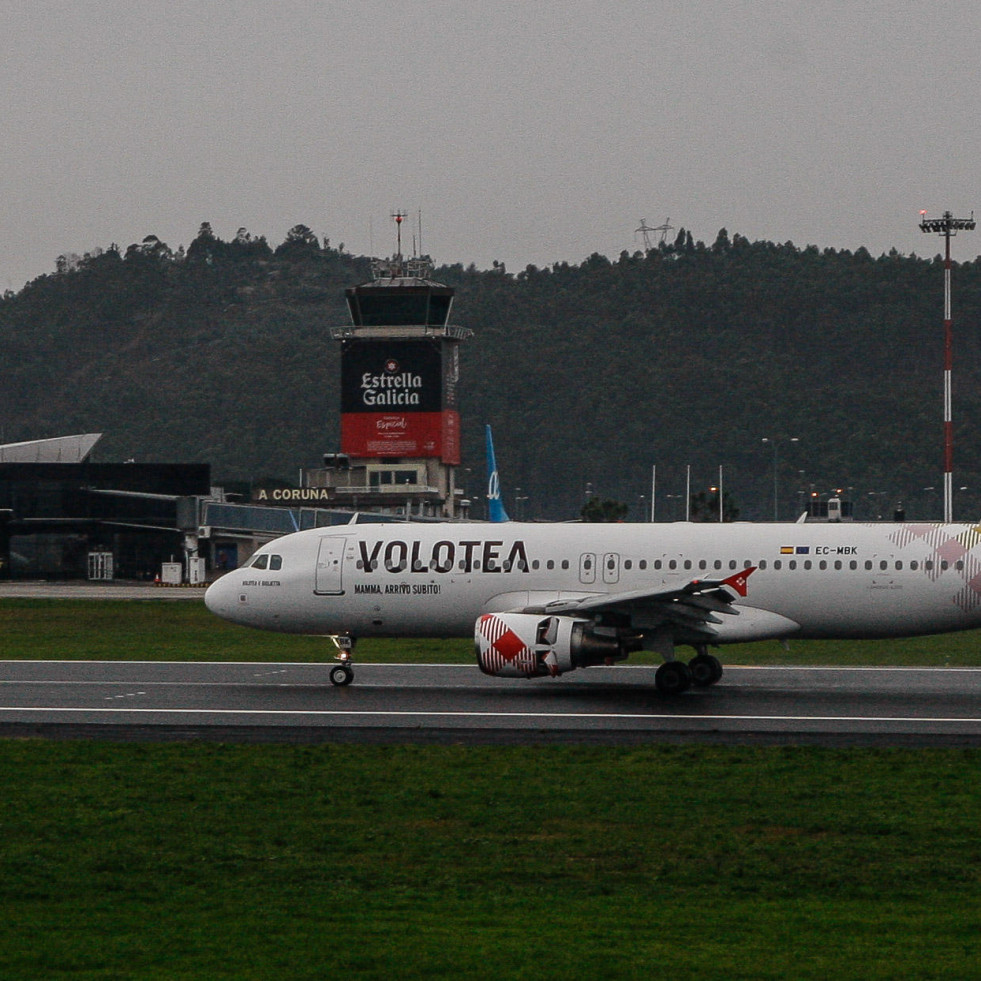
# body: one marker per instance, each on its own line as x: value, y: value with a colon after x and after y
x: 523, y: 645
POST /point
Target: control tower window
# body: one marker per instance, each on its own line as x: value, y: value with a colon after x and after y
x: 389, y: 478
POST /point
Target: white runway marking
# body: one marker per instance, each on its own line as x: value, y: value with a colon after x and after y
x: 328, y: 713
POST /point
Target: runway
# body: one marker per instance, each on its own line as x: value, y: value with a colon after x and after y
x: 274, y: 702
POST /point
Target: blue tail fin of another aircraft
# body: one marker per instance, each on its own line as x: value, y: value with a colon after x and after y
x: 495, y: 506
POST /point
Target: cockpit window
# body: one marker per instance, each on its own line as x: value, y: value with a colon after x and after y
x: 267, y: 561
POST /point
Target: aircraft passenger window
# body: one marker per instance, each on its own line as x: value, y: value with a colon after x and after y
x: 838, y: 564
x: 260, y: 562
x: 476, y: 564
x: 643, y: 563
x: 610, y: 564
x: 762, y: 564
x: 822, y: 564
x: 853, y: 564
x: 868, y: 565
x: 687, y: 563
x: 747, y: 564
x: 702, y: 564
x: 944, y: 566
x: 883, y: 566
x: 550, y: 564
x: 717, y: 564
x: 899, y: 565
x: 565, y: 563
x: 657, y: 563
x: 672, y: 564
x: 807, y: 563
x: 928, y: 565
x: 914, y: 565
x: 587, y: 564
x: 507, y: 565
x: 792, y: 564
x: 732, y: 563
x: 275, y: 562
x: 535, y: 564
x: 360, y: 564
x: 777, y: 564
x: 959, y: 566
x: 628, y: 564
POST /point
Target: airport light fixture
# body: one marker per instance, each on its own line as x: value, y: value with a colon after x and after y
x: 947, y: 225
x: 774, y: 443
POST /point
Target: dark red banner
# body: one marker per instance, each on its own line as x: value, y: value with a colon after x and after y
x: 411, y: 434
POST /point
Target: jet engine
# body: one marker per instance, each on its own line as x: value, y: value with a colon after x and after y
x: 523, y: 645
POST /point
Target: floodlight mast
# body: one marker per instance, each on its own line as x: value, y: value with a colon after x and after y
x: 947, y: 225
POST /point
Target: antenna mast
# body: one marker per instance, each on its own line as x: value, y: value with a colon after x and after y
x: 399, y: 217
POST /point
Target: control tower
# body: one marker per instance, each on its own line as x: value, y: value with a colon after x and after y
x: 400, y: 423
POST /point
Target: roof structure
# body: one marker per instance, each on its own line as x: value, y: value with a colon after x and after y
x: 60, y: 449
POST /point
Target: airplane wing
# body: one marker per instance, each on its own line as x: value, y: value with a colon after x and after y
x: 691, y: 609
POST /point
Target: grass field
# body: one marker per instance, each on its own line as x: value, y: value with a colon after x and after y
x: 206, y: 861
x: 149, y: 630
x: 222, y: 861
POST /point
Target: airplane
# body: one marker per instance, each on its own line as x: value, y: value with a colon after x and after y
x: 495, y: 506
x: 544, y: 599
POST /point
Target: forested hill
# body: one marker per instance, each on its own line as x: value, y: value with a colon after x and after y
x: 590, y: 374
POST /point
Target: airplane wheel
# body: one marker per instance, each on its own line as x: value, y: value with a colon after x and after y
x: 672, y: 678
x: 705, y: 670
x: 341, y: 675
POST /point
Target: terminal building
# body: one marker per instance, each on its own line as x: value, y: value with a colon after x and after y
x: 64, y: 517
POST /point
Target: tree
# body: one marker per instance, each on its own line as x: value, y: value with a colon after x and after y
x: 206, y: 245
x: 705, y: 507
x: 606, y: 510
x: 300, y: 242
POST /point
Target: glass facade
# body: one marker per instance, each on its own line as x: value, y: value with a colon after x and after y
x: 53, y: 515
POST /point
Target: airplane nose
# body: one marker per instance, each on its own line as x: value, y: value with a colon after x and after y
x: 218, y: 597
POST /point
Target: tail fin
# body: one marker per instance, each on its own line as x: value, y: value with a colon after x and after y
x: 495, y: 507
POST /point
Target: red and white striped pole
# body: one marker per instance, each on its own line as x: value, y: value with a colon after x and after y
x: 948, y: 400
x: 947, y: 226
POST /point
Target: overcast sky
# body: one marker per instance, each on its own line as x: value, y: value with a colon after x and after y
x: 527, y: 132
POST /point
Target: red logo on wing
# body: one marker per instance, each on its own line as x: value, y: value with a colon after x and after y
x: 738, y: 580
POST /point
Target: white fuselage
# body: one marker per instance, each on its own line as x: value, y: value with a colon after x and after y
x: 810, y: 580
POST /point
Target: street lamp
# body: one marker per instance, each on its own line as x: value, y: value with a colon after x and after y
x: 774, y: 443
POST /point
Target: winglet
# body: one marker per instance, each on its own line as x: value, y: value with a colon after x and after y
x: 737, y: 580
x: 495, y: 506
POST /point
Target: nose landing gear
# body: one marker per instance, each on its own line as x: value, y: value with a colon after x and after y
x: 342, y: 674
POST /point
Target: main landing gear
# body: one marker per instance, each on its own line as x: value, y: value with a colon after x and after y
x: 342, y: 674
x: 674, y: 677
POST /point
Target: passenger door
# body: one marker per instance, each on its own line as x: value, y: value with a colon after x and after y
x: 330, y: 565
